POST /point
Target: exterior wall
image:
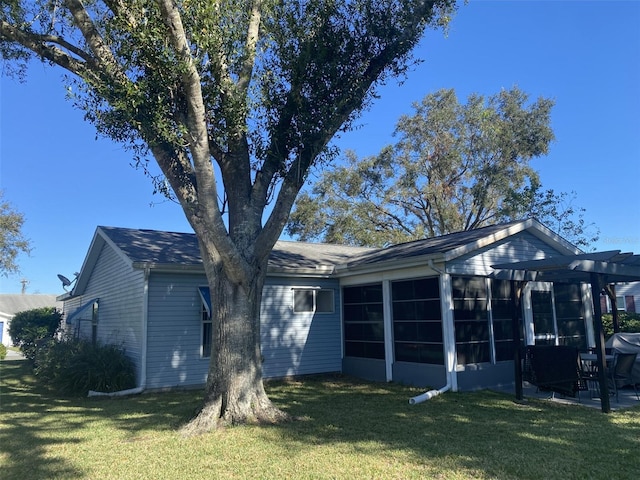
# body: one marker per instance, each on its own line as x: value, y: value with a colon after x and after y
x: 629, y: 290
x: 120, y: 289
x: 486, y: 375
x: 366, y: 368
x: 292, y: 343
x: 523, y: 246
x: 299, y: 343
x: 5, y: 339
x: 174, y: 331
x: 419, y: 374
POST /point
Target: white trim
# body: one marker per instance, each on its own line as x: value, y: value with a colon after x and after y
x: 587, y: 307
x: 492, y: 340
x: 142, y: 384
x: 387, y: 321
x: 448, y: 331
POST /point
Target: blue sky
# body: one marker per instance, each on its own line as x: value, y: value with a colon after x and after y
x: 583, y: 54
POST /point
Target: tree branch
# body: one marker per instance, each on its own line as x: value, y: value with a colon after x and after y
x: 207, y: 197
x: 95, y: 41
x: 244, y: 79
x: 38, y: 45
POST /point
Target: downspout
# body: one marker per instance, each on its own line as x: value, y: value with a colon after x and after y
x: 448, y: 337
x: 142, y: 384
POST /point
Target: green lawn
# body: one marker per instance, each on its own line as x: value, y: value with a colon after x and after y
x: 348, y: 429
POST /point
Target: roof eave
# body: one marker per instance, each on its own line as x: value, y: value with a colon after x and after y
x: 531, y: 225
x: 169, y: 267
x: 386, y: 265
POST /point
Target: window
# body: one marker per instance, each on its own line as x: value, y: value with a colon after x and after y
x: 207, y: 332
x: 471, y: 320
x: 313, y: 300
x: 621, y: 305
x: 363, y: 321
x: 501, y: 318
x: 569, y: 315
x: 207, y: 325
x: 417, y: 321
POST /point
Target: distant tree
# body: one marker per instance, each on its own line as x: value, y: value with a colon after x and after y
x: 12, y: 240
x: 454, y: 167
x: 31, y: 327
x: 557, y: 211
x: 234, y: 100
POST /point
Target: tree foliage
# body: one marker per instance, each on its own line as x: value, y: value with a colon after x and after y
x: 454, y: 167
x: 28, y: 329
x: 12, y: 240
x: 234, y: 100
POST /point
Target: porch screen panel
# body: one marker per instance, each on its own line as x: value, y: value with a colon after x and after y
x: 501, y: 316
x: 570, y: 315
x: 543, y: 323
x: 417, y: 321
x: 363, y: 321
x: 471, y: 320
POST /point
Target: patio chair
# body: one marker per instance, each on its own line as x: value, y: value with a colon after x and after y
x: 589, y: 379
x: 555, y: 369
x: 621, y: 372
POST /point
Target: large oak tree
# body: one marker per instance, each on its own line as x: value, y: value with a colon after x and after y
x: 454, y: 167
x: 235, y: 100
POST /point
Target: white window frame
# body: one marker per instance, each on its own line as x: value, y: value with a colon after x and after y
x: 314, y: 297
x: 205, y: 319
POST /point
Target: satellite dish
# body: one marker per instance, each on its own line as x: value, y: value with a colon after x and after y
x: 65, y: 281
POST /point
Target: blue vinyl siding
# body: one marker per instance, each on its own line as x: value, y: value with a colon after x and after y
x: 298, y: 343
x: 120, y: 289
x: 174, y: 331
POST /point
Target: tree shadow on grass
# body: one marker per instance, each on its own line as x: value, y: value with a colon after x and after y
x: 478, y: 431
x: 34, y: 419
x: 481, y: 434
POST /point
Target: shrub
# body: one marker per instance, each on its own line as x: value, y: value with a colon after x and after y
x: 3, y: 351
x: 629, y: 323
x: 30, y: 328
x: 73, y: 367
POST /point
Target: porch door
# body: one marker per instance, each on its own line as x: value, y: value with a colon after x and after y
x: 544, y: 325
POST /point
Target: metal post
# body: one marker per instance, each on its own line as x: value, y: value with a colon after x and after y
x: 597, y: 284
x: 516, y: 312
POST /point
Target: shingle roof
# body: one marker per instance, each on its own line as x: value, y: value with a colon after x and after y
x: 430, y: 246
x: 10, y: 304
x: 181, y: 249
x: 171, y: 248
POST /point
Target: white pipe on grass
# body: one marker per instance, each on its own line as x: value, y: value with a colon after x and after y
x: 121, y: 393
x: 428, y: 395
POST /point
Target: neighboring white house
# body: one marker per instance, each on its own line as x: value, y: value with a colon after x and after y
x: 10, y: 304
x: 428, y: 312
x: 627, y: 298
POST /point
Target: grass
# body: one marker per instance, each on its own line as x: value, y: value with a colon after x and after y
x: 349, y: 429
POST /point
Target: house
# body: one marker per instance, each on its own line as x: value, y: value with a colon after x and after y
x: 428, y: 312
x: 627, y: 298
x: 10, y: 304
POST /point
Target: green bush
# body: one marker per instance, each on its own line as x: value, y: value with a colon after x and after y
x: 31, y: 328
x: 629, y: 323
x: 73, y: 367
x: 3, y: 351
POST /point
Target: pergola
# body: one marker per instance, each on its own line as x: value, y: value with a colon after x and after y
x: 599, y: 269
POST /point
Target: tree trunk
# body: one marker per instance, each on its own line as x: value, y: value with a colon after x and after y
x: 234, y: 390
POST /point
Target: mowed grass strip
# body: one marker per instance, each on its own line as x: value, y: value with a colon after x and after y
x: 345, y: 428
